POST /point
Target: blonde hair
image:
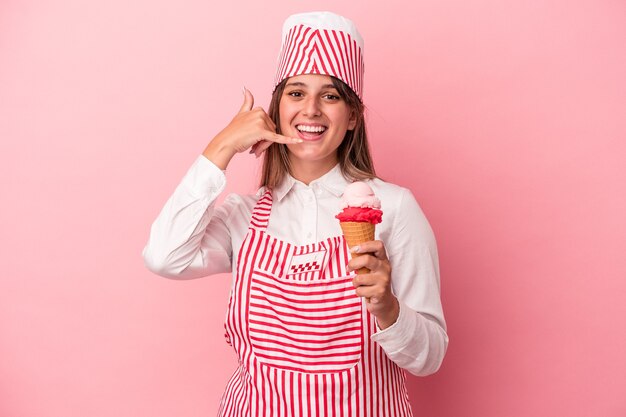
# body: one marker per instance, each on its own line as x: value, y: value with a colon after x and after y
x: 353, y: 153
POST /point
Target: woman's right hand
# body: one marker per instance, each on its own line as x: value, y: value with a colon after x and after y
x: 250, y: 128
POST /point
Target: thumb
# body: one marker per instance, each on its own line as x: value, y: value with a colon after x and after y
x: 248, y: 101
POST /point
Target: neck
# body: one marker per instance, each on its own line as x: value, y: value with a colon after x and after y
x: 307, y: 171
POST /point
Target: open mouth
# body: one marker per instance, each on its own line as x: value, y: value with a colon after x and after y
x: 310, y: 131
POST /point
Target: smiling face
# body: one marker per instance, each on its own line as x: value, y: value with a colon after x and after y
x: 312, y: 109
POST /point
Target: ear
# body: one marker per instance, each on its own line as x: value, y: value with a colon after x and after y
x: 352, y: 120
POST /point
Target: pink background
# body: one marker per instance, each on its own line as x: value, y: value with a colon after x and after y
x: 505, y: 118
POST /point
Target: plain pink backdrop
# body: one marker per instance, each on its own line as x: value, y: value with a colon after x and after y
x: 506, y: 119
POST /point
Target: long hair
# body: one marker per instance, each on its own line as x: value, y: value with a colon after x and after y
x: 353, y: 153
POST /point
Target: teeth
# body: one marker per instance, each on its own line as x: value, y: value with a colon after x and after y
x: 311, y: 129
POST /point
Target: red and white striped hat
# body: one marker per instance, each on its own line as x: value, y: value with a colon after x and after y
x: 321, y: 43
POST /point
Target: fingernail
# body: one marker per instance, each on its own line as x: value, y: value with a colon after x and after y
x: 355, y: 249
x: 296, y: 140
x: 243, y: 89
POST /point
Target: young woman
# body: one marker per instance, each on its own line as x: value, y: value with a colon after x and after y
x: 312, y: 337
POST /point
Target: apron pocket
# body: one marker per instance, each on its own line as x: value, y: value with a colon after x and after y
x: 312, y: 327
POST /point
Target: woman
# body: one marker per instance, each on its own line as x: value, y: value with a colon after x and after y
x: 312, y: 337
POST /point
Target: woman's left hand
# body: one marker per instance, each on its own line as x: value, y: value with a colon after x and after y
x: 375, y: 286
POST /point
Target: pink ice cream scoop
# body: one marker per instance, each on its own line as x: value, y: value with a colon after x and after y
x: 359, y: 204
x: 359, y: 194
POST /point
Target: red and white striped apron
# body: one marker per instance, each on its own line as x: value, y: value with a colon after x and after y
x: 302, y: 335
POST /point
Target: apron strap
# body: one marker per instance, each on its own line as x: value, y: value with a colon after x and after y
x: 261, y: 212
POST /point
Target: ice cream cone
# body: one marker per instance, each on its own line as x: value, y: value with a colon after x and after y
x: 356, y: 233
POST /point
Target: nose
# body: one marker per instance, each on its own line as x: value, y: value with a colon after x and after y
x: 311, y: 107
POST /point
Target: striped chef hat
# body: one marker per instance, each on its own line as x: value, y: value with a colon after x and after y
x: 321, y: 43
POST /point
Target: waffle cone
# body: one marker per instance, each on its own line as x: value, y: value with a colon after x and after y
x: 356, y: 233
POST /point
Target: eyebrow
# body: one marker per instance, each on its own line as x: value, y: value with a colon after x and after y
x: 301, y: 84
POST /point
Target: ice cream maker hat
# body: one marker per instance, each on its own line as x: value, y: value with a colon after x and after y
x: 321, y: 43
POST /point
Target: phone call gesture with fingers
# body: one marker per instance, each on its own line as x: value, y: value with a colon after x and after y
x: 251, y: 128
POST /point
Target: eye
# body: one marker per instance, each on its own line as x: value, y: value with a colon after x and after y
x: 294, y: 94
x: 332, y: 97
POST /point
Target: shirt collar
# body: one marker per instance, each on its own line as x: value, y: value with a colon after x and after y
x: 333, y: 181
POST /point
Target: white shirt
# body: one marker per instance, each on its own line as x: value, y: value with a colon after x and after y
x: 193, y: 238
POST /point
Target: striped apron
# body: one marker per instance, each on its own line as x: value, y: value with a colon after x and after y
x: 302, y: 335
